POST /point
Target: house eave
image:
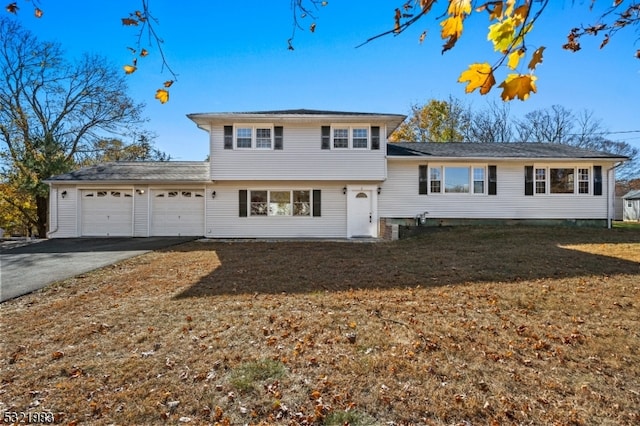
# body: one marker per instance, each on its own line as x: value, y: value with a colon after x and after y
x: 206, y: 120
x: 137, y: 182
x: 423, y: 158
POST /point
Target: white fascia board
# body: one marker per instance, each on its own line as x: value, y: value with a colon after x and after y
x: 206, y: 120
x: 511, y: 159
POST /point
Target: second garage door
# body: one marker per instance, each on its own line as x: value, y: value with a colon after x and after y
x: 177, y: 212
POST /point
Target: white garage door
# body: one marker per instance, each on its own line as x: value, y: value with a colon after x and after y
x: 177, y: 212
x: 107, y: 212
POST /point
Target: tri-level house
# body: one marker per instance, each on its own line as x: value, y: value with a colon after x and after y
x: 325, y: 174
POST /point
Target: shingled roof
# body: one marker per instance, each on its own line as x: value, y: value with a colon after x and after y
x: 300, y: 111
x: 157, y: 171
x: 521, y: 150
x: 632, y: 195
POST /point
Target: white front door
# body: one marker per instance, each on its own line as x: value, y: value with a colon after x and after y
x: 361, y: 214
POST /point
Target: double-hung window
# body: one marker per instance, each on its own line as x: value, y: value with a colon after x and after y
x: 263, y: 138
x: 478, y: 180
x: 360, y: 137
x: 541, y: 181
x: 244, y: 137
x: 435, y: 176
x: 341, y: 138
x: 350, y: 137
x: 253, y: 136
x: 583, y: 181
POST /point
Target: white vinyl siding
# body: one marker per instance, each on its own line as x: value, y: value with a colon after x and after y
x: 399, y: 198
x: 300, y: 159
x: 63, y: 214
x: 223, y: 219
x: 141, y: 212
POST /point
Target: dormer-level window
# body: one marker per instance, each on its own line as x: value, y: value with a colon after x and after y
x: 253, y: 136
x: 350, y: 136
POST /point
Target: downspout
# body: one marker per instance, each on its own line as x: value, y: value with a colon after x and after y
x: 611, y: 191
x: 54, y: 191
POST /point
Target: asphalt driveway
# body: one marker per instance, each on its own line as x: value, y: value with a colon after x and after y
x: 29, y: 267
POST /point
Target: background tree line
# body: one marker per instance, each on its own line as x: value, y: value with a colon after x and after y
x: 451, y: 121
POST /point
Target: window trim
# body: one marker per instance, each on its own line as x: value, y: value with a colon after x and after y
x: 471, y: 167
x: 547, y: 167
x: 247, y: 211
x: 254, y: 136
x: 350, y: 136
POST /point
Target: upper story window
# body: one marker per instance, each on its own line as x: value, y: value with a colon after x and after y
x: 341, y: 138
x: 258, y: 136
x: 253, y: 136
x: 350, y: 136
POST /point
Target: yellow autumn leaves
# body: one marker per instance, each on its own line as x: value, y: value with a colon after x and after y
x: 133, y: 20
x: 507, y: 35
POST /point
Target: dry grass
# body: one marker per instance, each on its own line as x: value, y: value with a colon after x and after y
x: 460, y: 326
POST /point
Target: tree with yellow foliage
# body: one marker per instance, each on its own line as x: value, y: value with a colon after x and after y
x: 53, y: 113
x: 17, y: 210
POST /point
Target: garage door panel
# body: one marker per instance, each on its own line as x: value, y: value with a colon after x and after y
x: 177, y: 212
x: 106, y: 213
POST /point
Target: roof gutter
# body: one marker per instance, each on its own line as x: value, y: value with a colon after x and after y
x: 529, y: 159
x: 53, y: 191
x: 126, y: 182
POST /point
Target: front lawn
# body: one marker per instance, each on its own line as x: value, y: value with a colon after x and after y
x: 467, y: 325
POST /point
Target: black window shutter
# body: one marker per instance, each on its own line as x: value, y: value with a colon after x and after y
x: 228, y: 137
x: 278, y: 142
x: 528, y: 180
x: 493, y: 180
x: 597, y: 180
x: 242, y: 195
x: 422, y: 179
x: 375, y: 137
x: 316, y: 202
x: 326, y: 137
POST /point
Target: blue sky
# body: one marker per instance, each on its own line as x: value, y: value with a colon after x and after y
x: 233, y: 56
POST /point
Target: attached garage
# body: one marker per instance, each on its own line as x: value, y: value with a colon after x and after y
x: 130, y: 199
x: 106, y: 213
x: 177, y: 212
